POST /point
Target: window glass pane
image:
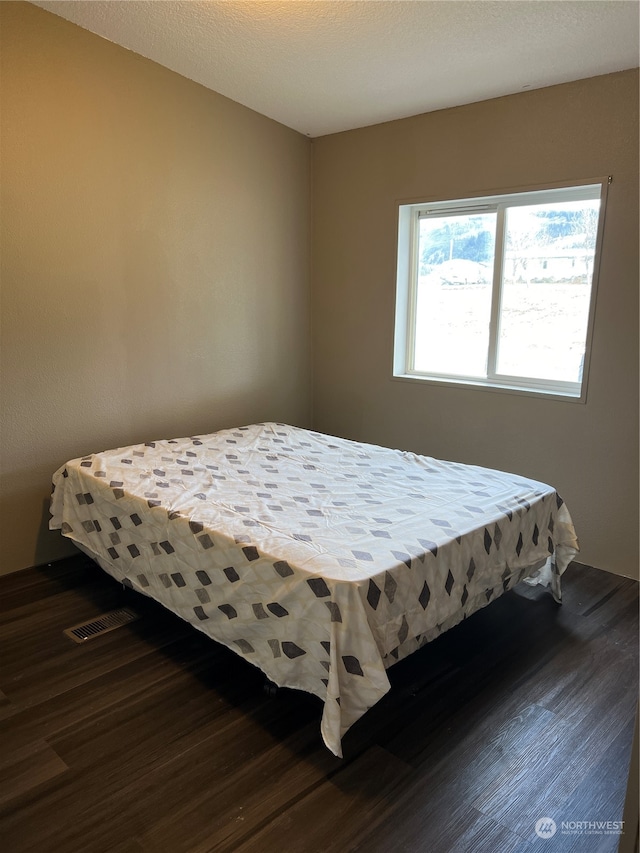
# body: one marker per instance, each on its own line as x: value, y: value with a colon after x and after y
x: 547, y: 276
x: 453, y: 300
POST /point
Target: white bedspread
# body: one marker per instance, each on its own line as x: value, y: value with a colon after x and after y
x: 322, y: 561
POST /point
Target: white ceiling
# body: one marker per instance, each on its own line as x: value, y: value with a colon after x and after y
x: 322, y: 66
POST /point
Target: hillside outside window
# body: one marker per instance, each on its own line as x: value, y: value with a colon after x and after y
x: 499, y: 291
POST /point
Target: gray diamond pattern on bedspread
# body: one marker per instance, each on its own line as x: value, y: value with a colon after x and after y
x: 322, y: 561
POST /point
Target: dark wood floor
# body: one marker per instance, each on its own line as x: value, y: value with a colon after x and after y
x: 153, y: 738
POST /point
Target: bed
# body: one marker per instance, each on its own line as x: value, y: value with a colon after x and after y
x: 322, y: 561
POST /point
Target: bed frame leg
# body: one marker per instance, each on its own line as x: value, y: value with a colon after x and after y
x: 123, y: 594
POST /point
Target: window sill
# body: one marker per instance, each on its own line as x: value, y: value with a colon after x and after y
x: 569, y: 396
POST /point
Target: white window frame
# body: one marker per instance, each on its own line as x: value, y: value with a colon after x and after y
x: 409, y: 214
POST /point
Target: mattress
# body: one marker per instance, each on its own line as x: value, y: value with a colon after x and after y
x: 320, y: 560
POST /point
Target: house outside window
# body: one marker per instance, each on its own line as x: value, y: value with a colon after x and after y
x: 499, y: 291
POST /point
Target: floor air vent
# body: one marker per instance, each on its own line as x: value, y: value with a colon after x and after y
x: 101, y: 625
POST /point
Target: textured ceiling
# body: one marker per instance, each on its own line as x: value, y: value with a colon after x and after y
x: 321, y: 66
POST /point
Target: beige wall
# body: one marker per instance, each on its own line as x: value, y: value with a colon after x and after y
x: 155, y: 263
x: 589, y: 452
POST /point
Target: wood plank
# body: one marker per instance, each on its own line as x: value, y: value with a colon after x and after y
x: 34, y: 584
x: 176, y: 662
x: 598, y: 797
x: 465, y: 756
x: 335, y: 813
x: 40, y: 662
x: 130, y: 845
x: 7, y: 707
x: 23, y: 770
x: 218, y: 813
x: 519, y: 794
x: 114, y: 796
x: 473, y: 832
x: 586, y: 590
x: 479, y: 834
x: 583, y: 665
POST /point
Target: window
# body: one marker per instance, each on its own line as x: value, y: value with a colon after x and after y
x: 499, y: 291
